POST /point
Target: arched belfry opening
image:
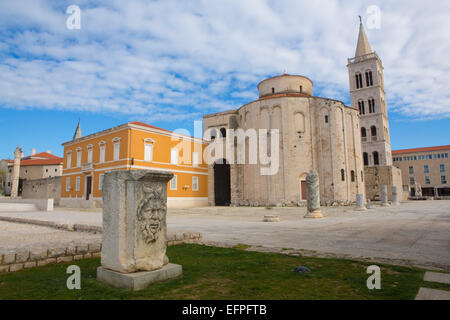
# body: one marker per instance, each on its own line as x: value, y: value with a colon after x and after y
x: 222, y: 184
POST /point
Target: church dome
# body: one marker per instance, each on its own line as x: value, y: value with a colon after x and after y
x: 285, y: 83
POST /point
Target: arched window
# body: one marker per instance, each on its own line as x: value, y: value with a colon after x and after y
x: 371, y: 105
x: 301, y: 89
x: 223, y: 132
x: 342, y: 175
x: 358, y: 78
x: 363, y: 132
x: 373, y: 131
x: 369, y: 80
x: 361, y: 107
x: 213, y: 134
x: 352, y: 175
x: 273, y: 90
x: 366, y: 158
x: 376, y: 160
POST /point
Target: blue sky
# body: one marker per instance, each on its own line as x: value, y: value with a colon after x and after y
x: 169, y: 62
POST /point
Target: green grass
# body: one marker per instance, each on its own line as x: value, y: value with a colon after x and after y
x: 225, y: 273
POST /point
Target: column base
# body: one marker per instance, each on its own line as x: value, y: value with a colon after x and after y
x: 138, y: 280
x: 316, y: 214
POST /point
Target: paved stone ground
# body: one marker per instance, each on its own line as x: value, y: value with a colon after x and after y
x: 414, y: 233
x: 14, y: 236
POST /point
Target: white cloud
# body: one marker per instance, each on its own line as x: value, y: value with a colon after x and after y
x: 194, y: 57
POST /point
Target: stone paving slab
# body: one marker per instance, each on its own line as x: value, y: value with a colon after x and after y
x: 414, y: 233
x: 437, y: 277
x: 432, y: 294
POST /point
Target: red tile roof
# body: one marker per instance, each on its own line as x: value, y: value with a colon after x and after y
x: 49, y: 159
x: 138, y: 123
x: 421, y: 149
x: 44, y: 155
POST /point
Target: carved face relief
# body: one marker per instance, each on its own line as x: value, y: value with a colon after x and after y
x: 150, y: 214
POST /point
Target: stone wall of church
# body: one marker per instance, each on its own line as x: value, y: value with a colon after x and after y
x: 315, y: 133
x: 378, y: 176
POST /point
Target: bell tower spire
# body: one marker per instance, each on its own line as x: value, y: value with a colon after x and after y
x: 367, y: 95
x: 363, y: 46
x: 78, y: 133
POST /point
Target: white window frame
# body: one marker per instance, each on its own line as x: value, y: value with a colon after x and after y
x: 90, y: 154
x: 67, y: 184
x: 79, y: 154
x: 100, y: 181
x: 173, y: 181
x: 148, y: 151
x: 102, y: 152
x: 174, y: 154
x: 195, y: 185
x: 69, y: 160
x: 195, y: 159
x: 116, y: 151
x: 77, y: 183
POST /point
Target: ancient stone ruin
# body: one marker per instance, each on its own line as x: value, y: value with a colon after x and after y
x: 134, y: 229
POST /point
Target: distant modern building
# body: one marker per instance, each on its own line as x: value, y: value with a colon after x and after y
x: 35, y: 166
x: 133, y: 145
x: 424, y: 168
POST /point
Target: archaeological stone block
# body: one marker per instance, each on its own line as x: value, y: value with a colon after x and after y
x: 360, y: 203
x: 384, y: 196
x: 134, y: 220
x: 395, y: 199
x: 313, y: 195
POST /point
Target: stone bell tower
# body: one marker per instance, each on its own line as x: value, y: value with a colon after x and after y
x: 368, y: 96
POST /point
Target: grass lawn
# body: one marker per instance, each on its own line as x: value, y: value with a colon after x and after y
x: 221, y: 273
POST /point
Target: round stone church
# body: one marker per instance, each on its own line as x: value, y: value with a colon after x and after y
x: 314, y: 133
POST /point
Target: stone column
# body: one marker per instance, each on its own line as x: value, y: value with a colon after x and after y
x: 313, y: 195
x: 384, y: 196
x: 360, y: 203
x: 134, y: 238
x: 395, y: 200
x: 16, y: 173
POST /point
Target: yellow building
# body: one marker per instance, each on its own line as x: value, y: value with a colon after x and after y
x: 133, y: 145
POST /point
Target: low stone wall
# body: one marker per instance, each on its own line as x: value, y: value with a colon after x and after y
x: 20, y: 204
x: 11, y: 261
x: 46, y: 188
x: 37, y: 257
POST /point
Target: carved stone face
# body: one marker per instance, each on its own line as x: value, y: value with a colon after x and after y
x: 150, y: 217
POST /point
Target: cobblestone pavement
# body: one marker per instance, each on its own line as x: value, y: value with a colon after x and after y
x: 415, y: 233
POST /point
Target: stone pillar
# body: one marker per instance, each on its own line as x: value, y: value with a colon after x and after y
x: 16, y: 173
x: 395, y: 200
x: 384, y: 196
x: 313, y: 195
x: 134, y: 238
x: 360, y: 203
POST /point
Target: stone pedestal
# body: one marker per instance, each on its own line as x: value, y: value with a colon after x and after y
x: 360, y: 203
x: 138, y: 280
x: 313, y: 195
x: 395, y: 201
x: 134, y: 234
x: 384, y: 197
x: 271, y: 218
